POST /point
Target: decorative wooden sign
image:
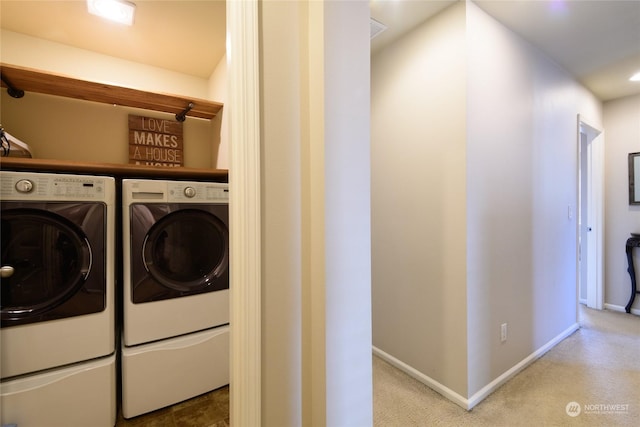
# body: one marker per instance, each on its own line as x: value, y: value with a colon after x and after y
x: 155, y: 142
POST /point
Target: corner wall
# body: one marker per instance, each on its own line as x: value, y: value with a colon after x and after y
x: 474, y: 172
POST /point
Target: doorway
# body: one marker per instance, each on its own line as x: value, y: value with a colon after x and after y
x: 590, y: 215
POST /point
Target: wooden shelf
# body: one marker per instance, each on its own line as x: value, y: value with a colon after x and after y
x: 110, y: 169
x: 30, y: 80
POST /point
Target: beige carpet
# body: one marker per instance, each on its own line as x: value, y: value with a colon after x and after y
x: 598, y: 367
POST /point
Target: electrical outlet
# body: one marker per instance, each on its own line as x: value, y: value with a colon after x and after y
x: 503, y: 332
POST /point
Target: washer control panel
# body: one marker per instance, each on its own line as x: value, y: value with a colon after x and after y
x: 24, y: 186
x: 47, y: 186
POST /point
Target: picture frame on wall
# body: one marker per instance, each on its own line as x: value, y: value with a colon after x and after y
x: 634, y: 178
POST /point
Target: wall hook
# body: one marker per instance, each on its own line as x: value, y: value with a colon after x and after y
x: 11, y: 89
x: 183, y: 115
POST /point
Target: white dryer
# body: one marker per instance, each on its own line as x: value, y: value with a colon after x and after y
x: 57, y: 283
x: 175, y: 291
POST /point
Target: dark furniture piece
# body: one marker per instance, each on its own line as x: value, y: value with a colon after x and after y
x: 632, y: 242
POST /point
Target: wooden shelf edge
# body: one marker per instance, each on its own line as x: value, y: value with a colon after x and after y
x: 112, y: 169
x: 31, y: 80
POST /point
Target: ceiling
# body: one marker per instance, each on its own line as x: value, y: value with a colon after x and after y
x: 597, y: 41
x: 187, y: 36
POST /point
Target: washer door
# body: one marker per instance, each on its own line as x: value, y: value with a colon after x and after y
x: 184, y: 252
x: 46, y: 260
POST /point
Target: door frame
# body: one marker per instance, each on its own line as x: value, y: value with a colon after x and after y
x: 243, y: 112
x: 595, y: 207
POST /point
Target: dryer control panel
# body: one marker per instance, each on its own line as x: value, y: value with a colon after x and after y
x: 138, y: 191
x: 201, y: 192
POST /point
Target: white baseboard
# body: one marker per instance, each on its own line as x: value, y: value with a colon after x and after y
x: 426, y: 380
x: 478, y: 397
x: 495, y: 384
x: 620, y: 308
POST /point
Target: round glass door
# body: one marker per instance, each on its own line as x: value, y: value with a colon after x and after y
x: 187, y: 250
x: 45, y: 261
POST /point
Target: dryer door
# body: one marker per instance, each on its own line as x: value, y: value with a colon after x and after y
x: 184, y: 252
x: 46, y: 262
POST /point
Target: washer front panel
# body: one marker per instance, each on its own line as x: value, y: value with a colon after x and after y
x: 54, y: 257
x: 58, y: 234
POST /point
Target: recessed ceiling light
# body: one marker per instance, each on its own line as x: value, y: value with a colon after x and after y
x: 115, y: 10
x: 635, y: 77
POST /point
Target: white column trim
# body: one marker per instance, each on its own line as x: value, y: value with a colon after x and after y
x: 243, y: 110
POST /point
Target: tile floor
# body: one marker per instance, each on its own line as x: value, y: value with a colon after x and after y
x: 207, y: 410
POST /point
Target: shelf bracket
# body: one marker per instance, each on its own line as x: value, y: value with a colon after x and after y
x: 13, y: 91
x: 183, y: 115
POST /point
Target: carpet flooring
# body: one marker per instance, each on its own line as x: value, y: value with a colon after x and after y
x: 592, y: 378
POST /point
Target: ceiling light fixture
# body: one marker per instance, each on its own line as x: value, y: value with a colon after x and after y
x: 115, y: 10
x: 635, y: 77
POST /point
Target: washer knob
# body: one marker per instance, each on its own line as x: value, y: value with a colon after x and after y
x: 189, y: 192
x: 6, y: 271
x: 24, y: 186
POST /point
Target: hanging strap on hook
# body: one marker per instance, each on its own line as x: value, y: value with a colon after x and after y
x: 13, y: 91
x: 183, y: 115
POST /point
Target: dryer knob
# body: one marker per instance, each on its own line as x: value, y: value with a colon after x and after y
x: 189, y: 192
x: 24, y: 186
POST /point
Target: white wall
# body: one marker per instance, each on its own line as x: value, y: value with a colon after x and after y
x: 316, y: 321
x: 418, y: 133
x: 522, y: 179
x: 31, y: 52
x: 622, y: 136
x: 218, y: 92
x: 347, y: 211
x: 62, y: 128
x: 281, y: 214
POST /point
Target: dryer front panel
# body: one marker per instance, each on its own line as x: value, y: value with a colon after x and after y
x: 178, y: 250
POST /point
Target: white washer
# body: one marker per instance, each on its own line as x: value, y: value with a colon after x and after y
x: 175, y: 291
x: 58, y: 321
